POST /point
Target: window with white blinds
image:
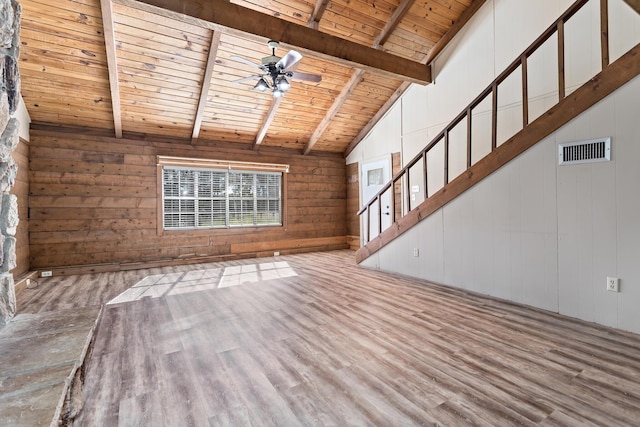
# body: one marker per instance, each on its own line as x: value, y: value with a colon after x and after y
x: 213, y: 198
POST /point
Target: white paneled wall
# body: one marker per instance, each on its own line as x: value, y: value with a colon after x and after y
x: 624, y: 29
x: 494, y: 38
x: 533, y: 232
x: 384, y: 138
x: 582, y: 46
x: 627, y: 220
x: 542, y: 234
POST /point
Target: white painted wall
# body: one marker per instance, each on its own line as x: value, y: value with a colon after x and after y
x: 384, y: 138
x: 533, y: 232
x: 23, y: 116
x: 542, y: 234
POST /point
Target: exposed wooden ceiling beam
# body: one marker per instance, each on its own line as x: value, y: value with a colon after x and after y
x: 355, y: 79
x: 112, y: 65
x: 271, y: 114
x: 453, y: 30
x: 393, y: 22
x: 221, y: 15
x: 634, y: 4
x: 435, y: 50
x: 206, y: 83
x: 376, y: 118
x: 316, y: 15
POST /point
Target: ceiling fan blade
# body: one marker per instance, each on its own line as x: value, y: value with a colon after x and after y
x: 289, y: 60
x: 245, y: 61
x: 305, y: 76
x: 244, y: 79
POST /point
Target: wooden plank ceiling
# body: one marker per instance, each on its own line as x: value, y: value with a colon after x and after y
x: 122, y: 67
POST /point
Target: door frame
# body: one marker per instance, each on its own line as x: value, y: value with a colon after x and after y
x: 386, y: 162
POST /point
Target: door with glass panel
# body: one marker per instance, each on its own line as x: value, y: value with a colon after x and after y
x: 373, y: 176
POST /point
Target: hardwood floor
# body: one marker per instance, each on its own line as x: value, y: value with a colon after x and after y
x: 317, y: 340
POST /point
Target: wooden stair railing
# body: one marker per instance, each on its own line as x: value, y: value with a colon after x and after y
x: 611, y: 77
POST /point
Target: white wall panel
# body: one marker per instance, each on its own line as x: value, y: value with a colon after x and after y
x: 515, y: 233
x: 604, y: 256
x: 416, y: 181
x: 547, y: 235
x: 374, y: 261
x: 384, y: 138
x: 537, y: 198
x: 414, y: 109
x: 542, y: 68
x: 627, y: 160
x: 435, y: 167
x: 503, y: 254
x: 533, y: 232
x: 462, y: 70
x: 624, y: 28
x: 430, y: 235
x: 457, y: 243
x: 481, y: 130
x: 457, y: 150
x: 23, y: 117
x: 602, y: 121
x: 582, y: 46
x: 403, y: 259
x: 412, y: 144
x: 518, y: 24
x: 568, y: 245
x: 481, y: 254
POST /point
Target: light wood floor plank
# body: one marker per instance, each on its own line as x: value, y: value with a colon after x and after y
x: 336, y: 344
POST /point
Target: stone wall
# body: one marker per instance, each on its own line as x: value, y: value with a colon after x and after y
x: 9, y: 139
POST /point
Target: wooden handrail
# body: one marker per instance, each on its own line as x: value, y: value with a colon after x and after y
x: 492, y: 90
x: 619, y: 72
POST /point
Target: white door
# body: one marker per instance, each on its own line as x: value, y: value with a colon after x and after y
x: 373, y: 176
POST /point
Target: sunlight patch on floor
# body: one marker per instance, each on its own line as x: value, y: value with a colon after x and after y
x: 160, y: 285
x: 237, y: 275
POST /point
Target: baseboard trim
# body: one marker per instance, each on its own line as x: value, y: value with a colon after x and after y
x: 258, y: 251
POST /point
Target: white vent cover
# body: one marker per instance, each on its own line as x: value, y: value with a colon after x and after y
x: 594, y: 150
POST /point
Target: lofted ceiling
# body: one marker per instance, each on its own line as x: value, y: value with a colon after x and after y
x: 133, y: 69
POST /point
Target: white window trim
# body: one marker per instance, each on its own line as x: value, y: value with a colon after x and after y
x: 220, y: 165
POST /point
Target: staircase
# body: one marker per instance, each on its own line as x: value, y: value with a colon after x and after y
x: 611, y: 77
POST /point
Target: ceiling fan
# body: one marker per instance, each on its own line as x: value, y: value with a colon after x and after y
x: 276, y: 71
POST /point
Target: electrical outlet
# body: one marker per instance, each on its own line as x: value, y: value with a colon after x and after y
x: 416, y: 252
x: 613, y: 284
x: 276, y: 253
x: 46, y: 273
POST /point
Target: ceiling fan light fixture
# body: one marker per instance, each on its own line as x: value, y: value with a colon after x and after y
x: 276, y: 71
x: 261, y: 85
x: 283, y: 84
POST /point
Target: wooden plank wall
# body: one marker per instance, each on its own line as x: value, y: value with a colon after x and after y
x: 21, y: 189
x: 93, y: 204
x: 353, y: 205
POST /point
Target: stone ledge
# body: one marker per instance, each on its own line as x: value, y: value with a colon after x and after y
x: 41, y: 355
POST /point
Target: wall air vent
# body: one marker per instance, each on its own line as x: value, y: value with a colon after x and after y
x: 594, y: 150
